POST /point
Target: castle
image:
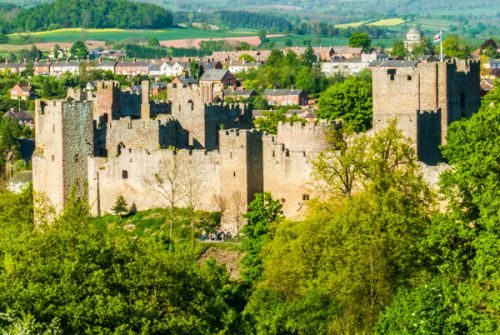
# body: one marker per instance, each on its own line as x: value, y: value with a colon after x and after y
x: 196, y: 151
x: 108, y: 143
x: 425, y: 97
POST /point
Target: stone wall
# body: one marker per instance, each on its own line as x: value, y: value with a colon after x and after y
x: 132, y: 175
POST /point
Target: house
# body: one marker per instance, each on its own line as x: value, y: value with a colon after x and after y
x: 223, y: 77
x: 242, y: 66
x: 21, y: 91
x: 239, y: 93
x: 69, y: 66
x: 347, y: 52
x: 494, y: 68
x: 132, y: 68
x: 102, y: 65
x: 184, y: 80
x: 211, y: 65
x: 343, y: 67
x: 157, y: 88
x: 486, y: 85
x: 15, y: 68
x: 42, y: 68
x: 173, y: 69
x: 22, y: 118
x: 227, y: 56
x: 155, y: 70
x: 286, y: 97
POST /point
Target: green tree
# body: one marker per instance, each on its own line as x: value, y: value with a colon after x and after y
x: 425, y: 47
x: 351, y: 253
x: 309, y: 57
x: 195, y: 70
x: 360, y: 40
x: 398, y: 49
x: 153, y: 42
x: 247, y: 58
x: 120, y: 206
x: 56, y: 50
x: 263, y: 212
x: 350, y: 101
x: 454, y: 47
x: 79, y: 50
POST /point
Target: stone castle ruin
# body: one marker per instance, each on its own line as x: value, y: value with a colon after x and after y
x: 425, y: 97
x: 196, y: 151
x: 109, y: 143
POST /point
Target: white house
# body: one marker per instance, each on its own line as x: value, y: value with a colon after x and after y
x: 174, y: 69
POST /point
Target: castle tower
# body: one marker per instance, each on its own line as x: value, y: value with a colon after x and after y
x: 424, y: 96
x: 241, y: 172
x: 107, y: 100
x: 64, y: 140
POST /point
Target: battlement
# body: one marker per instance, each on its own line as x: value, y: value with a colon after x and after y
x: 310, y: 137
x: 235, y: 132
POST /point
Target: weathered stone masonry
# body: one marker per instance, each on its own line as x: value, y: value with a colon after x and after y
x: 110, y: 143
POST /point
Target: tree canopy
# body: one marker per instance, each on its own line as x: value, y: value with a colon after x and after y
x: 350, y: 101
x: 92, y: 14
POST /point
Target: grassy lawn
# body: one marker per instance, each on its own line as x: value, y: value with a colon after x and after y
x: 156, y: 223
x: 74, y: 34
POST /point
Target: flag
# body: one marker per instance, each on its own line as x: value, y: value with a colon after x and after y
x: 437, y: 38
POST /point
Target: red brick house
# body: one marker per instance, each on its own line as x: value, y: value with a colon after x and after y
x: 42, y: 68
x: 223, y: 77
x: 286, y: 97
x: 19, y: 91
x: 132, y: 68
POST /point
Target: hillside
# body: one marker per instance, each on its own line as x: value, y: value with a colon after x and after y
x: 91, y: 14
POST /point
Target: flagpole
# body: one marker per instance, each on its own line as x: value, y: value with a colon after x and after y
x: 440, y: 45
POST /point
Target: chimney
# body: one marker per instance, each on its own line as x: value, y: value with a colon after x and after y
x: 145, y: 106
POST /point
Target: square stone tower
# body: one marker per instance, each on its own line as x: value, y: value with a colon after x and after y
x: 424, y: 98
x: 64, y: 140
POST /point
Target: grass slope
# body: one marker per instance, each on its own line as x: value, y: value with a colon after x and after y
x: 74, y: 34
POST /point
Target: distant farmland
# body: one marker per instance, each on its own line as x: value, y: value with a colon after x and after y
x: 72, y: 34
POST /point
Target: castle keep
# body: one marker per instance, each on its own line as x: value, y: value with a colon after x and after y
x: 424, y: 97
x: 108, y: 143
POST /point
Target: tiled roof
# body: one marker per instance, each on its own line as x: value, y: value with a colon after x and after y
x: 282, y: 92
x: 394, y: 63
x: 214, y: 75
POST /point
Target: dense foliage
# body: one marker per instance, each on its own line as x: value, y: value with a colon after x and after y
x: 92, y: 14
x: 350, y: 101
x: 286, y: 71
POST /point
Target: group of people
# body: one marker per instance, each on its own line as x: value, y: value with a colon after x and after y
x: 216, y: 236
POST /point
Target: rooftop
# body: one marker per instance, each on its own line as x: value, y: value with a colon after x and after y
x: 282, y: 91
x: 214, y: 75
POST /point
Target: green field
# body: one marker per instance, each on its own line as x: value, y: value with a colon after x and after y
x: 71, y: 35
x: 298, y: 40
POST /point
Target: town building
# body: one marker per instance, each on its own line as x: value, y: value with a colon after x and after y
x: 286, y: 97
x: 21, y: 92
x: 413, y: 38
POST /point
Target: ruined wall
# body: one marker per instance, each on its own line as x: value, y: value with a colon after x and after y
x: 132, y: 175
x: 309, y: 137
x: 203, y: 121
x: 286, y: 176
